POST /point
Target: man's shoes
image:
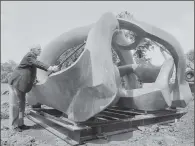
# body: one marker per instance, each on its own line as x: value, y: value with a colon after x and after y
x: 17, y: 129
x: 36, y: 107
x: 24, y: 127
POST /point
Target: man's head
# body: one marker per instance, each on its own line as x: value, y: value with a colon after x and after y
x: 36, y: 49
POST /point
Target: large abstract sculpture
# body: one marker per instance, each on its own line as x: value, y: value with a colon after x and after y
x: 92, y: 83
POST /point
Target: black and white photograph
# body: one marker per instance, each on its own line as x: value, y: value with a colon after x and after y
x: 97, y: 73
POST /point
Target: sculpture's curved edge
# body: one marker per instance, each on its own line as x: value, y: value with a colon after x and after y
x: 155, y: 97
x: 145, y: 30
x: 56, y: 47
x: 66, y: 88
x: 103, y: 91
x: 58, y: 90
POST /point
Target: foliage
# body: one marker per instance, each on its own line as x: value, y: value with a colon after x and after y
x: 190, y: 59
x: 6, y: 70
x: 130, y: 35
x: 125, y: 15
x: 144, y: 46
x: 70, y: 56
x: 115, y: 57
x: 190, y: 55
x: 141, y: 50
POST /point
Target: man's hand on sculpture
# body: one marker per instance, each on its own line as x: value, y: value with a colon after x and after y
x: 35, y: 82
x: 54, y: 68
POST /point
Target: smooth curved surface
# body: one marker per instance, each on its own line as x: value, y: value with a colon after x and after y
x: 147, y: 73
x: 89, y: 85
x: 144, y: 30
x: 59, y: 45
x: 151, y: 98
x: 92, y: 83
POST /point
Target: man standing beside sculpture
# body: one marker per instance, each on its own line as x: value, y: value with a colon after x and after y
x: 20, y: 83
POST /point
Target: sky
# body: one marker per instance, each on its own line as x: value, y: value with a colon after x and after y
x: 25, y: 23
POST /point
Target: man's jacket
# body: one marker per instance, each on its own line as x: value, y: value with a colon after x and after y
x: 24, y: 75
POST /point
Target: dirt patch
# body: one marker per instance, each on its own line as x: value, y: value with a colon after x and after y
x: 180, y: 133
x: 5, y: 110
x: 11, y: 138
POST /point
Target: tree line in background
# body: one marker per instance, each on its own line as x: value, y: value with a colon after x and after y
x: 6, y: 70
x: 139, y: 54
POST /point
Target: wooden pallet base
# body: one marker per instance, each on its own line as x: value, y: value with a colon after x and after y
x: 111, y: 121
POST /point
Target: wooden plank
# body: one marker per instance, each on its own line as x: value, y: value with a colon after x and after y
x: 62, y: 122
x: 100, y: 118
x: 116, y: 114
x: 99, y: 129
x: 107, y: 117
x: 130, y: 112
x: 53, y: 130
